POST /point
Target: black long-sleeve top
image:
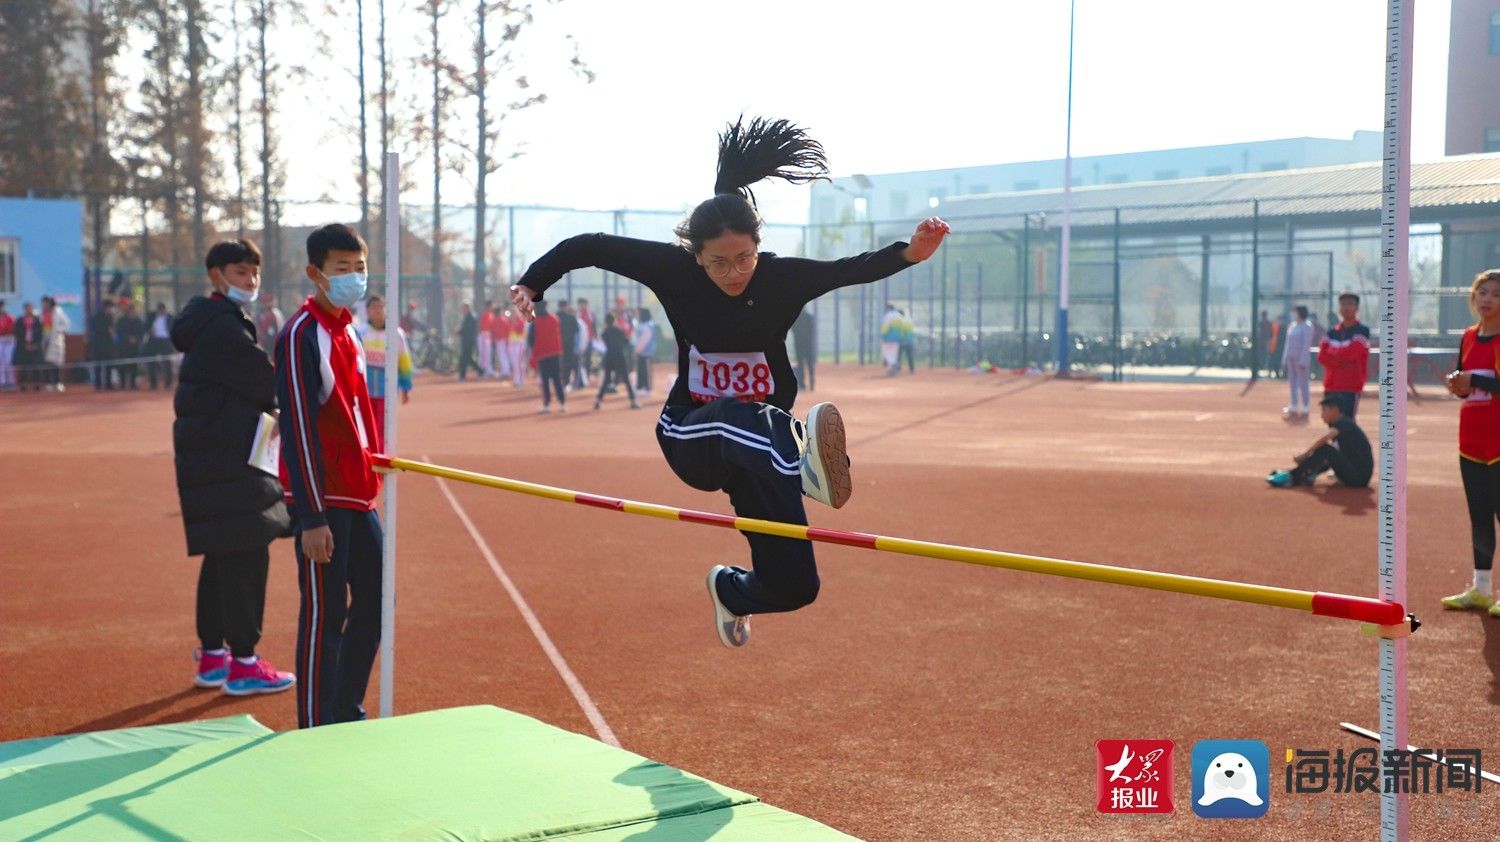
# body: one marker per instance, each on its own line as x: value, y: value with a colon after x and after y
x: 1479, y: 381
x: 703, y: 316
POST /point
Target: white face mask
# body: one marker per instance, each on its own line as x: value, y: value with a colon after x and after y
x: 347, y: 289
x: 242, y: 297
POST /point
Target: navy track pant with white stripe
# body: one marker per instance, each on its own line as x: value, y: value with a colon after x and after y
x: 338, y: 623
x: 749, y: 451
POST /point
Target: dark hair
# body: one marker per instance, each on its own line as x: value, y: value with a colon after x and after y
x: 1332, y: 401
x: 609, y: 319
x: 1300, y: 310
x: 335, y: 237
x: 226, y: 252
x: 1348, y: 296
x: 377, y: 297
x: 747, y: 154
x: 643, y: 313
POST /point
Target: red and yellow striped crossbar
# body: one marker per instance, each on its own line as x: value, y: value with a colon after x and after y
x: 1363, y: 609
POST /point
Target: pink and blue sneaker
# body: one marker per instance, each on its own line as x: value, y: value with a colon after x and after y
x: 258, y: 677
x: 212, y: 669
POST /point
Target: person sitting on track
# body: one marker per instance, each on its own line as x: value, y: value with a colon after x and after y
x: 1344, y: 448
x: 727, y: 424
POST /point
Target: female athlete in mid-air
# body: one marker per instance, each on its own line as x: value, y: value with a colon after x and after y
x: 727, y: 423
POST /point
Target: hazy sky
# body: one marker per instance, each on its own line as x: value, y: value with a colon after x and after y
x: 910, y: 86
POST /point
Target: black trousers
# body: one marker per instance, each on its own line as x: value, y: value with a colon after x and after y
x: 907, y: 350
x: 612, y: 371
x: 1330, y: 457
x: 127, y: 374
x: 100, y: 372
x: 550, y: 371
x: 467, y: 360
x: 806, y: 363
x: 338, y: 624
x: 749, y: 451
x: 1482, y: 491
x: 159, y: 347
x: 643, y: 372
x: 232, y: 600
x: 1348, y: 401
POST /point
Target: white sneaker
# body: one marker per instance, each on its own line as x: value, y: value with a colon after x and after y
x: 825, y: 464
x: 733, y: 630
x: 543, y: 410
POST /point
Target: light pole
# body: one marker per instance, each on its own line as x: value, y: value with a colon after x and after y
x: 1062, y: 283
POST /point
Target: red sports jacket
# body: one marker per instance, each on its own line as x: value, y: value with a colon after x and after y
x: 327, y: 423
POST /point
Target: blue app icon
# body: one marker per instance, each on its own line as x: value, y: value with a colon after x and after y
x: 1231, y: 779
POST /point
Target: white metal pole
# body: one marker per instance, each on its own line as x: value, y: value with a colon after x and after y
x: 1395, y: 215
x: 392, y: 401
x: 1063, y: 342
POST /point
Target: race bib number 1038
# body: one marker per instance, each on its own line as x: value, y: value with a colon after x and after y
x: 744, y: 376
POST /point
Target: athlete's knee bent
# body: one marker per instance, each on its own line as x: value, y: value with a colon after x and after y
x: 797, y: 591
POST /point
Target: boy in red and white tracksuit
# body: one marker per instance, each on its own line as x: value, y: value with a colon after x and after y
x: 328, y: 432
x: 1344, y: 354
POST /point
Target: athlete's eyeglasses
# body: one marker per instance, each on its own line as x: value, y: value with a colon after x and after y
x: 718, y: 267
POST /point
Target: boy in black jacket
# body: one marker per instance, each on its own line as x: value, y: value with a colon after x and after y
x: 616, y: 361
x: 230, y: 509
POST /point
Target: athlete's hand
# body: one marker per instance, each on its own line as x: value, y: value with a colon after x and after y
x: 926, y: 239
x: 521, y: 297
x: 317, y: 544
x: 1459, y: 385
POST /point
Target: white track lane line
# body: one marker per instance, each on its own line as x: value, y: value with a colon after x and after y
x: 580, y: 695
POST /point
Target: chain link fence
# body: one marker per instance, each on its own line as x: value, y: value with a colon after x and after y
x: 1146, y: 287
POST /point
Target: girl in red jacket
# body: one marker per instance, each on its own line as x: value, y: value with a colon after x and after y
x: 545, y: 341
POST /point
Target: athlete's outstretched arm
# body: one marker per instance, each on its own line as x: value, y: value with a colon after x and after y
x: 649, y: 263
x: 926, y: 239
x: 823, y: 276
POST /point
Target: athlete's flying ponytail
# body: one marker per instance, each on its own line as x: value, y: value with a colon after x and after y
x: 748, y: 154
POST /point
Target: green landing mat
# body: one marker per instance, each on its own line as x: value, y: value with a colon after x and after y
x: 474, y: 773
x: 68, y: 747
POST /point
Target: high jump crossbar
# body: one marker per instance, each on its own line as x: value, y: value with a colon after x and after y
x: 1379, y: 613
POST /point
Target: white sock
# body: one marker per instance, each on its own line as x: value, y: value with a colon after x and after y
x: 1482, y: 581
x: 217, y: 653
x: 250, y: 661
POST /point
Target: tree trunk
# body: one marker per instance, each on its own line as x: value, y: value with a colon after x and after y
x: 364, y: 131
x: 195, y: 153
x: 239, y: 125
x: 385, y: 137
x: 435, y: 295
x: 267, y: 223
x: 480, y: 51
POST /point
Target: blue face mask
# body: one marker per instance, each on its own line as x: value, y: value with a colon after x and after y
x: 239, y: 296
x: 347, y: 289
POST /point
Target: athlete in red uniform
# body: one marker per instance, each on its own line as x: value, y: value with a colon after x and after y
x: 1477, y: 380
